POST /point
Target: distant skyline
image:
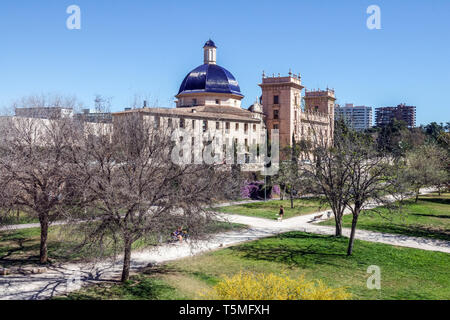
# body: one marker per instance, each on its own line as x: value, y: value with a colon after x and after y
x: 146, y: 48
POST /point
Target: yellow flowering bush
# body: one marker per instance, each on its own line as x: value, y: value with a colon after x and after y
x: 249, y: 286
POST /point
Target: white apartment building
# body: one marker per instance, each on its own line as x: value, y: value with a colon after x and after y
x: 358, y: 118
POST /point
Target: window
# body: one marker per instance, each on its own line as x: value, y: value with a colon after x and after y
x: 237, y: 126
x: 217, y: 101
x: 156, y: 123
x: 227, y: 127
x: 316, y: 108
x: 217, y: 125
x: 254, y: 127
x: 194, y: 102
x: 205, y: 125
x: 181, y: 123
x: 275, y: 100
x: 246, y: 128
x: 276, y: 114
x: 276, y: 127
x: 169, y: 123
x: 193, y: 124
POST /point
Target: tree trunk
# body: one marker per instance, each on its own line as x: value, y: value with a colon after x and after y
x: 126, y: 260
x: 352, y: 235
x: 417, y: 195
x: 43, y: 254
x: 338, y: 226
x: 292, y: 199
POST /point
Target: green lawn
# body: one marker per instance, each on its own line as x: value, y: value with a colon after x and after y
x: 406, y: 273
x: 17, y: 218
x: 21, y: 247
x: 430, y: 217
x: 270, y: 209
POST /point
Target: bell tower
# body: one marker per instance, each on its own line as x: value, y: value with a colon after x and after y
x: 281, y: 100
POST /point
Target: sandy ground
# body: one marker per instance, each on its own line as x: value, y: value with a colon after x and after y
x: 61, y: 279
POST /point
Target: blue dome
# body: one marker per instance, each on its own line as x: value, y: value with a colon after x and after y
x: 210, y: 43
x: 210, y: 78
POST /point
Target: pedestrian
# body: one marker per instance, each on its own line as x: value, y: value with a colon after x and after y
x: 281, y: 214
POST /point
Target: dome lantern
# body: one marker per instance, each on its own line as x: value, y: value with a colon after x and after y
x: 209, y: 52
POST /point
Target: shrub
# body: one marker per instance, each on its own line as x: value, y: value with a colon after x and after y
x: 249, y: 286
x: 255, y: 190
x: 276, y: 190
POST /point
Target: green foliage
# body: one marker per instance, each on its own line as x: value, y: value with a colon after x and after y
x: 426, y: 165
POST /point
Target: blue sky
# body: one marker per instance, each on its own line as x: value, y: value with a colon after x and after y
x: 145, y: 48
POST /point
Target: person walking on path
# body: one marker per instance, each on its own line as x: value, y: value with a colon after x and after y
x: 281, y: 214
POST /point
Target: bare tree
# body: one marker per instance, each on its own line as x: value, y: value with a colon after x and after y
x: 36, y: 167
x: 136, y: 191
x: 351, y: 173
x: 324, y: 165
x: 373, y: 177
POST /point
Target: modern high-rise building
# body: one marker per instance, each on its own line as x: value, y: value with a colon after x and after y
x: 385, y: 115
x: 358, y: 118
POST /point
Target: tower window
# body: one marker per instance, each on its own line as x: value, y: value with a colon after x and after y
x: 205, y: 125
x: 193, y: 124
x: 276, y: 114
x: 275, y: 100
x: 181, y: 123
x: 246, y: 127
x: 217, y: 125
x: 237, y: 126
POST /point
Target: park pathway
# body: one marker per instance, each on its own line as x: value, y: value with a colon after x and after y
x: 64, y: 278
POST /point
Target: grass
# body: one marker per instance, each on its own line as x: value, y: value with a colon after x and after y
x: 270, y: 209
x: 406, y: 273
x: 21, y: 247
x: 429, y: 217
x: 17, y: 218
x: 137, y: 288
